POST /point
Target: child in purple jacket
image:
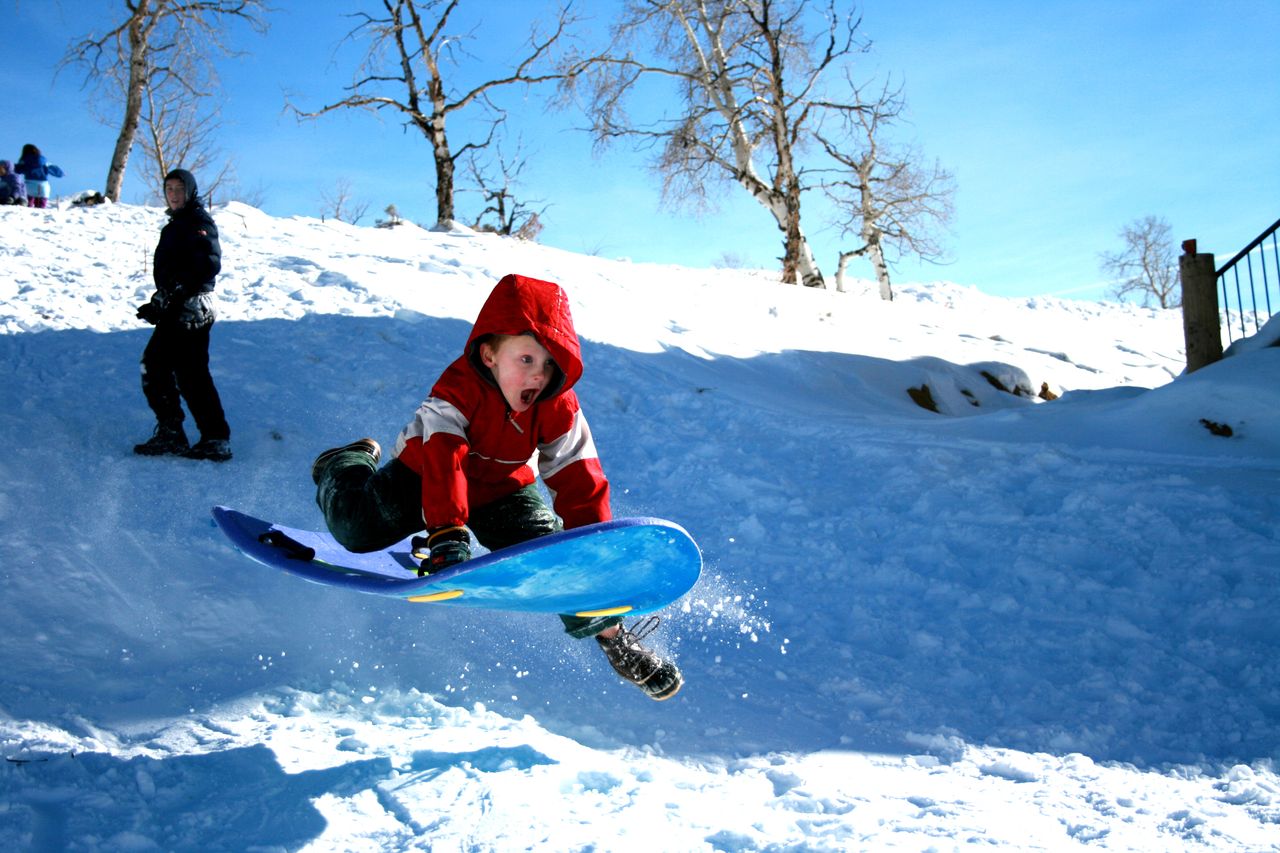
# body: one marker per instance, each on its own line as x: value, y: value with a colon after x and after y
x: 13, y: 190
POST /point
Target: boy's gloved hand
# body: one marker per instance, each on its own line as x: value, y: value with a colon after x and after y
x: 176, y: 300
x: 149, y: 312
x: 445, y: 547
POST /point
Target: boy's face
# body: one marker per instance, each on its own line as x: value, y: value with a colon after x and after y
x: 175, y: 193
x: 522, y: 368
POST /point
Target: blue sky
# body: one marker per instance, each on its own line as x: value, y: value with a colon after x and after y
x: 1061, y: 121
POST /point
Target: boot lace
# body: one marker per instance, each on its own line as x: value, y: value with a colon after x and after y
x: 631, y: 659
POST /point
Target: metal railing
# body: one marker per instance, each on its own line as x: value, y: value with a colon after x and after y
x: 1231, y: 282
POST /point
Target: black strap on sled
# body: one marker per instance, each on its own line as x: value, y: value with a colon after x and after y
x: 292, y: 548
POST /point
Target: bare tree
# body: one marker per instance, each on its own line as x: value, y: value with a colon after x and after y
x: 414, y: 83
x: 504, y: 213
x: 338, y: 203
x: 1146, y: 267
x: 747, y: 72
x: 160, y: 44
x: 893, y: 201
x: 173, y: 133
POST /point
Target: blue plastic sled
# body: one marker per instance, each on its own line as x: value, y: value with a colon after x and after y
x: 628, y: 565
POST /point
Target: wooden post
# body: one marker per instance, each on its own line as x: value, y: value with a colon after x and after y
x: 1201, y: 327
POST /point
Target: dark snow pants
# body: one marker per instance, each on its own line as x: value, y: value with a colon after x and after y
x: 369, y: 508
x: 175, y: 364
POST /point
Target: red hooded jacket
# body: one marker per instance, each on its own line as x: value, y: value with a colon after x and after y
x: 471, y: 449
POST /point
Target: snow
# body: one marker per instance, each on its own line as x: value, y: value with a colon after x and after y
x: 1019, y: 623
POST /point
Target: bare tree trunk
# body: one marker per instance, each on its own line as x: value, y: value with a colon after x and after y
x: 840, y: 267
x: 444, y: 159
x: 798, y: 263
x: 432, y: 125
x: 876, y: 254
x: 137, y: 81
x: 806, y: 265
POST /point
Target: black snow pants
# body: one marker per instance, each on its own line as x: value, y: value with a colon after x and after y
x: 175, y: 364
x: 368, y: 508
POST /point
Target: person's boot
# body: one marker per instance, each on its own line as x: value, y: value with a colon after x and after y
x: 168, y: 439
x: 659, y: 679
x: 363, y: 445
x: 211, y: 449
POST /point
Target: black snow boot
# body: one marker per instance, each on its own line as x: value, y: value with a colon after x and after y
x: 168, y: 439
x: 659, y: 679
x: 211, y: 449
x: 362, y: 445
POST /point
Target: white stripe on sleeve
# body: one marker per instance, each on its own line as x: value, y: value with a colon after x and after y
x: 574, y: 446
x: 433, y: 416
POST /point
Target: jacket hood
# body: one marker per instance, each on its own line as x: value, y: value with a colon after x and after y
x: 6, y: 165
x: 519, y: 304
x: 188, y: 181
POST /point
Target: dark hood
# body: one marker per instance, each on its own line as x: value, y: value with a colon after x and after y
x: 519, y: 304
x: 188, y: 181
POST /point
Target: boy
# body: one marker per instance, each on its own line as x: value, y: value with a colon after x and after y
x: 464, y: 460
x: 175, y: 363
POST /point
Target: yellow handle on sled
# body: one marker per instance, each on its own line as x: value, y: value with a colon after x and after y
x: 608, y: 611
x: 436, y: 596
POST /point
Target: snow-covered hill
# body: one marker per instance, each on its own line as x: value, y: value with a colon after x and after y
x: 1042, y: 625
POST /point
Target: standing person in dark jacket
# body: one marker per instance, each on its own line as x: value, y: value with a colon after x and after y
x: 176, y: 360
x: 37, y: 170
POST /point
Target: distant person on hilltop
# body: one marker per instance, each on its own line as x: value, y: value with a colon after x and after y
x: 37, y: 170
x: 13, y: 189
x: 176, y: 359
x: 466, y: 461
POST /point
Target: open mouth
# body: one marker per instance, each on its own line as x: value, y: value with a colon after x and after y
x: 528, y: 395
